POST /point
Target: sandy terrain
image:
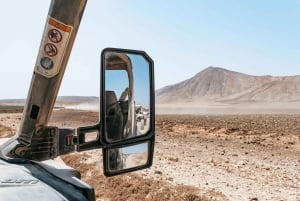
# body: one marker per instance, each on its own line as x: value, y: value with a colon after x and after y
x: 212, y: 108
x: 227, y: 157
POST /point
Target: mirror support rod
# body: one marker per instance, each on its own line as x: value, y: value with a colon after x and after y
x: 60, y: 30
x: 59, y: 34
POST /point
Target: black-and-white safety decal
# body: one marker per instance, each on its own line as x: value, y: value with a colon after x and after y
x: 51, y: 54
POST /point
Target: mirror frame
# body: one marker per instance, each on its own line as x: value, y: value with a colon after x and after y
x: 151, y: 131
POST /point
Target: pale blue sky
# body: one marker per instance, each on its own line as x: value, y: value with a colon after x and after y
x: 256, y: 37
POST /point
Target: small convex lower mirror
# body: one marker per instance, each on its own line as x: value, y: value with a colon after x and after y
x: 127, y: 96
x: 133, y: 156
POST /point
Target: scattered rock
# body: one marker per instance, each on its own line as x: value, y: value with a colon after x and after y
x: 158, y: 172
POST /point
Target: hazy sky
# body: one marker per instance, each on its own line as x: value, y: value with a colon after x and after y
x: 183, y: 37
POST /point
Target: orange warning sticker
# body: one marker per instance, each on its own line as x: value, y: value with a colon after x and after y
x: 59, y: 25
x: 52, y: 50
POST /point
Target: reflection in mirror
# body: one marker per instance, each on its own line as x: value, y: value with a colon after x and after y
x: 127, y: 95
x: 127, y: 157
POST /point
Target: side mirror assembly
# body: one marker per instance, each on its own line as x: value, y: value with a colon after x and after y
x: 127, y: 110
x: 126, y: 130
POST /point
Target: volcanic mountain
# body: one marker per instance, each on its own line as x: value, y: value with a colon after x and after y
x: 216, y: 84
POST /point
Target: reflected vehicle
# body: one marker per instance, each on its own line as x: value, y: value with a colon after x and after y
x: 126, y: 101
x: 142, y: 119
x: 115, y: 159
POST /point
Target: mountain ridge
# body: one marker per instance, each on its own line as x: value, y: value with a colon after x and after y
x: 216, y: 84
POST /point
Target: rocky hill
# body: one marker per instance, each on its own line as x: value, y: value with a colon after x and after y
x: 224, y: 86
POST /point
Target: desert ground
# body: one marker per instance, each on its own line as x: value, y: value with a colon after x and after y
x: 197, y: 158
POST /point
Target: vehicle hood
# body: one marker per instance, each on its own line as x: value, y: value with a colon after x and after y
x: 16, y: 183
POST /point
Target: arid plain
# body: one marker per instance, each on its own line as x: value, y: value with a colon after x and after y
x: 220, y: 135
x: 197, y: 157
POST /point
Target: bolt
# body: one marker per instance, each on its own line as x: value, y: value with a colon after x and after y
x: 39, y: 131
x: 22, y: 153
x: 52, y: 151
x: 52, y: 132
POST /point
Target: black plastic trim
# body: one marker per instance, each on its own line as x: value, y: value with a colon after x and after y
x: 34, y: 112
x: 81, y: 132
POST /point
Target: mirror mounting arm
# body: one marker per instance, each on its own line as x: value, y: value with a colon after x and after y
x: 49, y: 142
x: 67, y: 141
x: 71, y: 140
x: 83, y: 143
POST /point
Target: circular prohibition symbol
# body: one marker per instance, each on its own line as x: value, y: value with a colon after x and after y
x: 54, y: 35
x: 50, y: 49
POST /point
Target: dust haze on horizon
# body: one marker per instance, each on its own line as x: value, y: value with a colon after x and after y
x: 251, y: 37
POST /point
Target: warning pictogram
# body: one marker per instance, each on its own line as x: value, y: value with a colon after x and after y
x: 55, y: 41
x: 46, y: 63
x: 54, y: 35
x: 50, y: 49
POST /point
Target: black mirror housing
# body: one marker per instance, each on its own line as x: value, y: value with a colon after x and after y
x: 127, y: 110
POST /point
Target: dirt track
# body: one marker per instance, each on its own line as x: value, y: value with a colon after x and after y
x: 238, y: 157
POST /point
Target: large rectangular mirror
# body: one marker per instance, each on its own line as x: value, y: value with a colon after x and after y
x: 128, y: 97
